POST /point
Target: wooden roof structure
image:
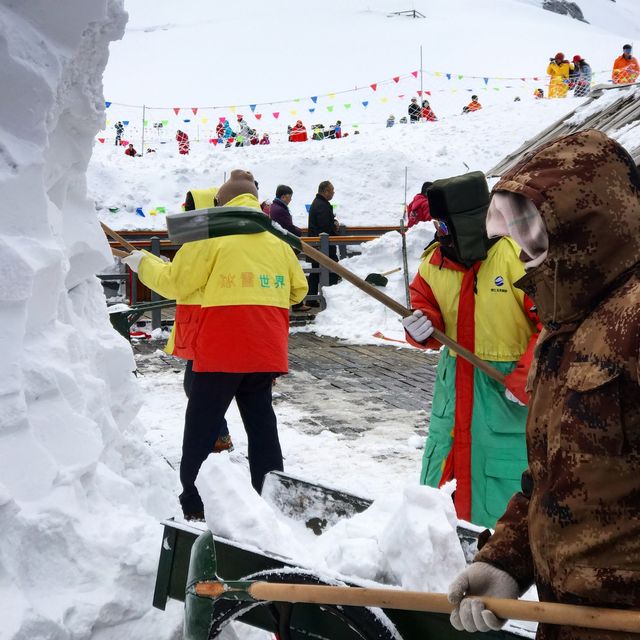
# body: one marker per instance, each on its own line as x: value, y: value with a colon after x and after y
x: 612, y: 109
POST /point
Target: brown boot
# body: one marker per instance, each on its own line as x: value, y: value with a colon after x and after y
x: 223, y: 443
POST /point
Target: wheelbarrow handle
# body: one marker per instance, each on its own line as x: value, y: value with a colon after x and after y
x: 400, y: 309
x: 545, y: 612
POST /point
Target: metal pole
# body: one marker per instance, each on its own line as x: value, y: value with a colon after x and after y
x: 156, y: 314
x: 421, y: 90
x: 143, y: 118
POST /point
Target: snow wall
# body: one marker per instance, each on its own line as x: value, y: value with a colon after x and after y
x: 80, y: 492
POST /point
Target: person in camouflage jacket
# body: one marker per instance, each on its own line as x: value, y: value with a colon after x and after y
x: 574, y: 529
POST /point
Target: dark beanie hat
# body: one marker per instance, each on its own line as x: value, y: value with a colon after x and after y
x: 239, y: 182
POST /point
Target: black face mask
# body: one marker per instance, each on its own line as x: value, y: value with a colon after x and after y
x: 461, y: 203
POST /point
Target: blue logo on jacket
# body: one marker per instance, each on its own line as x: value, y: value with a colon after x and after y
x: 499, y: 281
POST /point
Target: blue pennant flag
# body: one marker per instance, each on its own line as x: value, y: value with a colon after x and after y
x: 107, y: 105
x: 315, y: 99
x: 253, y: 107
x: 486, y: 80
x: 365, y: 103
x: 312, y: 109
x: 448, y: 76
x: 125, y: 122
x: 186, y: 120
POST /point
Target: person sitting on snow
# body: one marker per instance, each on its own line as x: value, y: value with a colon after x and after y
x: 414, y: 110
x: 298, y: 132
x: 426, y: 113
x: 183, y: 142
x: 265, y: 139
x: 538, y: 94
x: 465, y: 287
x: 130, y: 151
x: 391, y: 120
x: 474, y: 105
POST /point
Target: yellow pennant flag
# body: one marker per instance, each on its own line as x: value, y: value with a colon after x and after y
x: 232, y: 109
x: 384, y: 99
x: 204, y: 120
x: 332, y: 96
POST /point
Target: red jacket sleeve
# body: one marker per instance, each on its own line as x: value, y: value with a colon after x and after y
x: 422, y: 298
x: 517, y: 379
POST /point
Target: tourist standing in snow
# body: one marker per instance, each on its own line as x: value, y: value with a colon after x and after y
x: 248, y: 282
x: 280, y: 210
x: 119, y: 127
x: 183, y: 142
x: 558, y: 72
x: 580, y: 77
x: 418, y: 208
x: 574, y: 528
x: 465, y: 287
x: 244, y: 132
x: 323, y: 220
x: 625, y: 67
x: 414, y: 110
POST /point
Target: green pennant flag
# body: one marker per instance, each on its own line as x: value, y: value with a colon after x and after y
x: 145, y: 123
x: 330, y: 107
x: 165, y: 123
x: 460, y: 77
x: 347, y: 106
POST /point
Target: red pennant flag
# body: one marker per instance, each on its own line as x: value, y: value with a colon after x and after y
x: 428, y: 93
x: 396, y: 79
x: 176, y: 110
x: 419, y: 92
x: 401, y: 96
x: 536, y: 78
x: 222, y: 119
x: 414, y: 74
x: 374, y: 86
x: 523, y: 79
x: 231, y: 140
x: 215, y: 141
x: 276, y: 114
x: 195, y: 110
x: 101, y: 140
x: 258, y: 116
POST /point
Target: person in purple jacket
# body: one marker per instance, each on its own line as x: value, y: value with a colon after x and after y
x: 280, y: 213
x: 280, y: 209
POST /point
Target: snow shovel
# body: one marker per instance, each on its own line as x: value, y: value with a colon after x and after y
x: 546, y: 612
x: 223, y: 221
x: 378, y: 279
x: 118, y: 238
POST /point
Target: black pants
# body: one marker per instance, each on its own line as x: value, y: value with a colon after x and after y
x: 210, y: 397
x: 314, y: 278
x: 189, y: 374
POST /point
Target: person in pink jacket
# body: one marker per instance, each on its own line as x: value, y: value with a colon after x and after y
x: 418, y: 208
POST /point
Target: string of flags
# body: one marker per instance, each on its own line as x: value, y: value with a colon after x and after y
x: 373, y: 87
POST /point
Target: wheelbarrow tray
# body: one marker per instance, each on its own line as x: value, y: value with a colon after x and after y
x: 190, y: 553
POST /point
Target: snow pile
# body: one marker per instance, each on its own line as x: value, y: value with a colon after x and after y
x: 407, y: 538
x: 80, y: 494
x: 366, y: 316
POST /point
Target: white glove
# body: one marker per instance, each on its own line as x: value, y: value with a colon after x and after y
x: 509, y: 396
x: 479, y: 579
x: 418, y: 326
x: 133, y: 260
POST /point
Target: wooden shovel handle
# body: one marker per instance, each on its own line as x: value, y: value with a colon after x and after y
x: 117, y: 237
x: 400, y: 309
x: 546, y: 612
x: 386, y: 273
x: 119, y: 254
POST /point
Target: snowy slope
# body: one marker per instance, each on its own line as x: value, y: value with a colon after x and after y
x: 202, y: 57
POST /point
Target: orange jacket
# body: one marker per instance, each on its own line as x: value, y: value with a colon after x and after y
x: 625, y: 70
x: 474, y: 106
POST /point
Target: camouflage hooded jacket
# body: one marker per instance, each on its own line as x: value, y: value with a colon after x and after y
x: 575, y: 527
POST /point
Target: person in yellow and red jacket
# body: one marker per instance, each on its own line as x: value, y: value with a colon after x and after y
x: 558, y: 71
x: 187, y: 313
x: 247, y: 283
x: 465, y: 288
